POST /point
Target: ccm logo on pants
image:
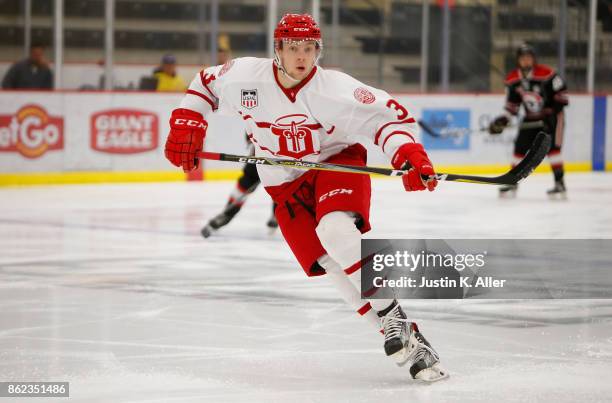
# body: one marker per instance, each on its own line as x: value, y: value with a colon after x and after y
x: 334, y: 193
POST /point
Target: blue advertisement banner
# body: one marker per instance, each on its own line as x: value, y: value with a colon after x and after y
x: 452, y: 125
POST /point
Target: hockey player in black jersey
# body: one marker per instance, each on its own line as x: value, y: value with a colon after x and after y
x: 543, y: 95
x: 247, y: 183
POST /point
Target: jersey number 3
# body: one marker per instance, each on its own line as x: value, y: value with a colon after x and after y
x: 402, y: 113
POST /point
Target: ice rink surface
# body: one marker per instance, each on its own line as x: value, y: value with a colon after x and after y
x: 111, y: 288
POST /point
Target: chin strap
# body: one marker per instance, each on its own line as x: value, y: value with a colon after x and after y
x: 282, y: 69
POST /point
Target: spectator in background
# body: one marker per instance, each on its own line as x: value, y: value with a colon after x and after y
x: 31, y: 73
x: 224, y: 49
x: 167, y: 78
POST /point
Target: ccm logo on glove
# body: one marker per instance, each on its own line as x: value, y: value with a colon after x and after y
x: 189, y: 122
x: 186, y: 138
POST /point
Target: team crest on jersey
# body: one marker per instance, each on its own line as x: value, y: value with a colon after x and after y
x: 294, y: 136
x: 525, y: 84
x: 532, y: 100
x: 249, y: 99
x: 364, y: 95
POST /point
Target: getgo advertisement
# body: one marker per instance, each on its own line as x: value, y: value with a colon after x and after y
x: 31, y: 132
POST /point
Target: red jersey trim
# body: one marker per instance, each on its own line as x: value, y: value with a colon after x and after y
x: 513, y: 76
x: 204, y: 97
x: 399, y: 122
x: 261, y: 125
x: 291, y: 93
x: 205, y: 82
x: 252, y: 138
x: 393, y: 134
x: 266, y: 125
x: 540, y: 72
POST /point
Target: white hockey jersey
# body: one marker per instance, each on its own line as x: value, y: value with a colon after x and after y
x: 325, y: 113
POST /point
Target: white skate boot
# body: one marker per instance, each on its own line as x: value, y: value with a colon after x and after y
x: 405, y: 343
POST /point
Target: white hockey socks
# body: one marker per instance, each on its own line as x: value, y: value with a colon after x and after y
x: 347, y: 290
x: 342, y: 241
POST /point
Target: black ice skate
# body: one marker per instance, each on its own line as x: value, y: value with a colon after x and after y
x: 405, y: 343
x: 558, y: 192
x: 220, y: 220
x: 272, y: 224
x: 508, y: 191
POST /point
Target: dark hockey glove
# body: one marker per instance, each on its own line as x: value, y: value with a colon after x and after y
x: 498, y: 124
x: 186, y: 138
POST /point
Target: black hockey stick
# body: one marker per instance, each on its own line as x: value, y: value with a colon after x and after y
x: 534, y: 156
x: 458, y: 132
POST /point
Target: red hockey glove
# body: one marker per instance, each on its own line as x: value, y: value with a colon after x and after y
x: 186, y: 138
x: 413, y: 156
x: 499, y: 124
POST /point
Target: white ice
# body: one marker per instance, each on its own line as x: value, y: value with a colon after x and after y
x: 111, y: 288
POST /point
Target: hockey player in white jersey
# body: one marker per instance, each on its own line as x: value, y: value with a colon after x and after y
x: 294, y: 109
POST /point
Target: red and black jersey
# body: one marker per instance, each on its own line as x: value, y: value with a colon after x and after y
x: 542, y: 93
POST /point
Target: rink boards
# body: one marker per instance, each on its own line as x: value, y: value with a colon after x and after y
x: 72, y: 137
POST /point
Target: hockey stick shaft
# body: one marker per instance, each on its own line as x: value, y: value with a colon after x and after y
x: 533, y: 158
x: 323, y: 166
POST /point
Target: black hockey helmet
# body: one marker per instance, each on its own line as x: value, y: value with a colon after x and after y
x: 525, y: 49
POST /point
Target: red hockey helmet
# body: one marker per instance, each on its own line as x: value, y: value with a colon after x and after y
x: 296, y: 27
x: 300, y: 27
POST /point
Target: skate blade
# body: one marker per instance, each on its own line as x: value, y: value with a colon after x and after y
x: 432, y: 374
x: 508, y: 195
x: 557, y: 196
x: 401, y: 357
